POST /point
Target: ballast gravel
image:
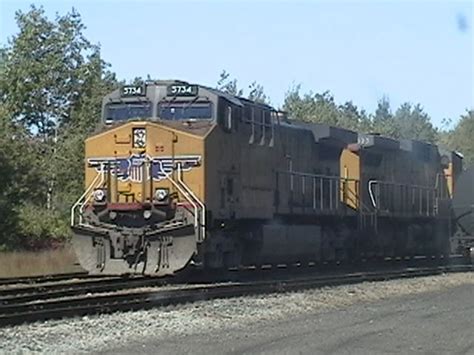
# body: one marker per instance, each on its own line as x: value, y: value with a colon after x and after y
x: 103, y: 332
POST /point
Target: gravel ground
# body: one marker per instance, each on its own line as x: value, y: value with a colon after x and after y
x: 439, y: 322
x: 127, y: 331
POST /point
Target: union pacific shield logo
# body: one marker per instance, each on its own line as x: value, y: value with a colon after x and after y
x: 132, y: 168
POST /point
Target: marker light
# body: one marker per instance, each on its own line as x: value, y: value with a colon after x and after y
x: 99, y: 195
x: 161, y: 194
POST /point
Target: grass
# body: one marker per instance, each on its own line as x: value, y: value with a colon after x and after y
x: 26, y: 263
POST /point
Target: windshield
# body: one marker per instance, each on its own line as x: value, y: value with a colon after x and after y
x: 184, y: 110
x: 125, y: 111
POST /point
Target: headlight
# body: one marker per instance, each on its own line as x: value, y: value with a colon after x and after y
x: 139, y: 138
x: 99, y: 195
x: 161, y: 194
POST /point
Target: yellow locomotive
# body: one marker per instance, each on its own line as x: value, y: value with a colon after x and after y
x: 183, y: 173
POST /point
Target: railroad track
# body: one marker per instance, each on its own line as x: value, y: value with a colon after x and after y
x: 44, y: 278
x: 126, y: 300
x: 18, y: 295
x: 56, y: 286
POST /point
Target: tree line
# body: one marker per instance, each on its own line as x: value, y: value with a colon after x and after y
x: 52, y: 81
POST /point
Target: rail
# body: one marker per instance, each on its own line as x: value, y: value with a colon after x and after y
x: 191, y: 198
x: 396, y: 198
x: 62, y: 306
x: 17, y: 294
x: 201, y: 224
x: 313, y: 193
x: 198, y: 206
x: 86, y: 195
x: 43, y: 278
x: 318, y: 193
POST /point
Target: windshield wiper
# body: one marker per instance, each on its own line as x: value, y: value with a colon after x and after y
x: 173, y: 98
x: 189, y: 104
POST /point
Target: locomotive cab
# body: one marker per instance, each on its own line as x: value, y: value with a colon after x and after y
x: 144, y: 179
x: 152, y: 173
x: 169, y: 101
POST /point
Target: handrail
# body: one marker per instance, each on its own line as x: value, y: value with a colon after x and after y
x: 424, y: 196
x: 329, y: 177
x: 325, y: 191
x: 203, y: 207
x: 442, y: 186
x: 401, y: 184
x: 183, y: 192
x: 87, y: 192
x: 189, y: 195
x: 371, y: 193
x: 352, y: 195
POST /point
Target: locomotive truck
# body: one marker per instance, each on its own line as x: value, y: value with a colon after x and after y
x: 179, y: 174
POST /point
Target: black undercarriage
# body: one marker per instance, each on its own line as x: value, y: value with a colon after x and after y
x: 170, y: 246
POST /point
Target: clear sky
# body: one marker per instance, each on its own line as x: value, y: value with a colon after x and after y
x: 416, y: 51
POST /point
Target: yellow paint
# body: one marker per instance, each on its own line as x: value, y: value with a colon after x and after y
x: 350, y: 174
x: 448, y: 174
x: 125, y: 139
x: 161, y: 140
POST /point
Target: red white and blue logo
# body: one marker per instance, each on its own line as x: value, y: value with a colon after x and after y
x: 135, y: 167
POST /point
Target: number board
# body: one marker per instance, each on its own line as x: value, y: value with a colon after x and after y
x: 133, y: 90
x: 182, y: 90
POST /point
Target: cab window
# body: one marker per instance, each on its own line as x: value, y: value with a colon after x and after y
x: 184, y: 110
x: 125, y: 111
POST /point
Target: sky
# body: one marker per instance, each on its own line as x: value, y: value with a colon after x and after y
x: 409, y: 51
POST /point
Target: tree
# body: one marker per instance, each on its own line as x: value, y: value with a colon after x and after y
x: 310, y: 107
x: 383, y: 121
x: 461, y: 138
x: 44, y: 69
x: 322, y: 108
x: 353, y: 118
x: 21, y: 177
x: 2, y: 62
x: 85, y: 117
x: 257, y: 93
x: 444, y: 132
x: 408, y: 122
x: 227, y: 85
x: 52, y: 84
x: 413, y: 123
